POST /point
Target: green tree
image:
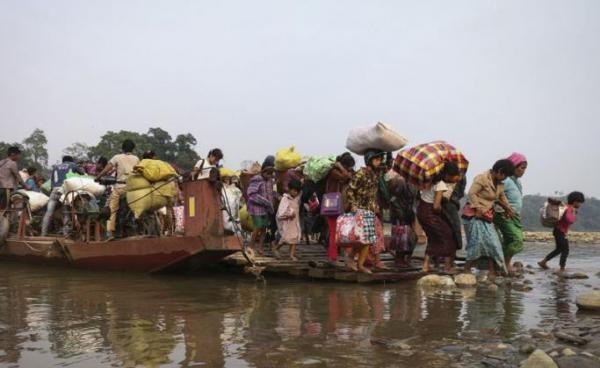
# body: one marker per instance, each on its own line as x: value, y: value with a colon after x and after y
x: 162, y: 144
x: 35, y: 147
x: 110, y: 143
x: 78, y: 150
x: 186, y: 155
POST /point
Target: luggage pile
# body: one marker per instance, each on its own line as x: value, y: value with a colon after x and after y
x: 381, y: 136
x: 151, y: 186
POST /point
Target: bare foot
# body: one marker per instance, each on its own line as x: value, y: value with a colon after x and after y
x: 293, y: 258
x: 543, y: 265
x: 352, y: 265
x: 364, y: 270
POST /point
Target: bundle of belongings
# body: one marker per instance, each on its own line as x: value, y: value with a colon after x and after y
x: 287, y: 158
x: 381, y: 137
x: 151, y: 186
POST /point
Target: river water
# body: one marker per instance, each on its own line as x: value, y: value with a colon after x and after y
x: 73, y: 318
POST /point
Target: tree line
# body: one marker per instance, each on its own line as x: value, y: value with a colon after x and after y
x: 178, y: 151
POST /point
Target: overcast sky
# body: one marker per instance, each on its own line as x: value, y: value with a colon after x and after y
x: 491, y: 77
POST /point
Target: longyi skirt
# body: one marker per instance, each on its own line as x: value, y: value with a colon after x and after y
x: 440, y: 237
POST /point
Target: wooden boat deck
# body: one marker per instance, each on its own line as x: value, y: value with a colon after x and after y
x: 312, y: 264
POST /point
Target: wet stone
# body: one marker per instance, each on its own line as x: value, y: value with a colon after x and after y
x: 568, y: 352
x: 538, y: 359
x: 527, y: 348
x: 589, y: 301
x: 577, y: 362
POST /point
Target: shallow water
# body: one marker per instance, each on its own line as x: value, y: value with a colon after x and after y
x: 62, y: 317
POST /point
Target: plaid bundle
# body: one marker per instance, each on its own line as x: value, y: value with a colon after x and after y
x: 356, y: 228
x: 421, y: 163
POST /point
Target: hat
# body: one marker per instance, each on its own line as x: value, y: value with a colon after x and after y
x: 517, y: 158
x: 268, y: 163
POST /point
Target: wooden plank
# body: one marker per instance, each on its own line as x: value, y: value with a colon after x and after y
x: 321, y: 273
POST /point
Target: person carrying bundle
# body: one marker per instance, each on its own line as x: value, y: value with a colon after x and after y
x: 123, y: 164
x: 363, y: 194
x: 574, y: 202
x: 59, y: 174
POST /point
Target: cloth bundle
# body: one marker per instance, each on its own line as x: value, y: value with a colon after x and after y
x: 356, y: 228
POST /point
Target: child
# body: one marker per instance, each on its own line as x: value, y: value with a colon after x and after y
x: 288, y: 219
x: 260, y: 202
x: 574, y: 202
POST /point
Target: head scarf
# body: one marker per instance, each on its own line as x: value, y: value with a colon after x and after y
x: 371, y: 154
x: 517, y: 158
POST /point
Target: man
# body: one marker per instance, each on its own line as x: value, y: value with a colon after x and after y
x: 10, y: 177
x: 123, y: 164
x: 59, y: 173
x: 203, y: 167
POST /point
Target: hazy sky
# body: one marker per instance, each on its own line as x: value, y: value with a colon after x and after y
x: 250, y: 77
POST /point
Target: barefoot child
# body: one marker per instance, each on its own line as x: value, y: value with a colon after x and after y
x: 574, y: 202
x: 288, y: 219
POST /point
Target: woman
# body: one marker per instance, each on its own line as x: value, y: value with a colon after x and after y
x: 511, y: 229
x: 441, y: 242
x: 363, y: 194
x: 482, y: 238
x: 337, y: 182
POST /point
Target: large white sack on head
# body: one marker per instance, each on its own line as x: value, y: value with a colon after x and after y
x: 83, y: 184
x: 36, y: 200
x: 381, y: 136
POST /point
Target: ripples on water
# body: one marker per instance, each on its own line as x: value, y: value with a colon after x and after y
x: 62, y: 317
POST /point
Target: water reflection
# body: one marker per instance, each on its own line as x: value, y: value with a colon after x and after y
x: 55, y: 316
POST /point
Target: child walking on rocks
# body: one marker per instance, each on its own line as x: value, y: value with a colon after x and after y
x: 574, y: 202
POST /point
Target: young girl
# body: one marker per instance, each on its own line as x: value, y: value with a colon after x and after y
x: 288, y: 219
x: 402, y: 213
x: 574, y: 202
x: 440, y: 237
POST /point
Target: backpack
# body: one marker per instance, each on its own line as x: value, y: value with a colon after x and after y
x: 551, y: 213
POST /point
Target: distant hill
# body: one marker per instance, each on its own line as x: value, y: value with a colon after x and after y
x: 588, y: 218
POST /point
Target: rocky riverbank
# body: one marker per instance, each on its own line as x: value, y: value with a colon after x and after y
x: 562, y: 344
x: 574, y: 237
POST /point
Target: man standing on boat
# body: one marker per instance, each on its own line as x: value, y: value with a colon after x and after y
x: 9, y: 176
x: 203, y: 167
x: 59, y: 173
x: 123, y: 164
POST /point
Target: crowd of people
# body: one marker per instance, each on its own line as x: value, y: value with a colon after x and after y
x: 284, y: 207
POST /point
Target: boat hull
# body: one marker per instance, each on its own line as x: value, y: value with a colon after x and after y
x: 149, y: 255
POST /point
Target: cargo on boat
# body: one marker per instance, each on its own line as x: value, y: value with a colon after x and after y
x: 203, y: 241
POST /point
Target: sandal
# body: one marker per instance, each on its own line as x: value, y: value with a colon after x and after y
x: 543, y: 265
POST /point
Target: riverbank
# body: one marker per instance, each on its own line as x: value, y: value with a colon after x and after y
x: 580, y: 237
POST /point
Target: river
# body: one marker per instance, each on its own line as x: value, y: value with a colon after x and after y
x: 74, y: 318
